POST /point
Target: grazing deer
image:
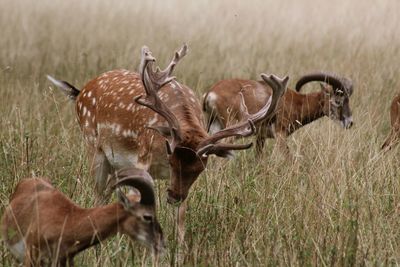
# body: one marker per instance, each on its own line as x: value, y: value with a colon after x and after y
x: 42, y: 224
x: 232, y: 100
x: 394, y: 135
x: 120, y: 111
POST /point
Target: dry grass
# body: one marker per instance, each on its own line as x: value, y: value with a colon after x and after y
x: 337, y: 204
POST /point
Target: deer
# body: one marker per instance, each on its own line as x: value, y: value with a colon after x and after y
x: 394, y: 135
x: 150, y: 121
x: 41, y: 224
x: 231, y: 100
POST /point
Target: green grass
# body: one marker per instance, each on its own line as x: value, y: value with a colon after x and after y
x: 337, y: 204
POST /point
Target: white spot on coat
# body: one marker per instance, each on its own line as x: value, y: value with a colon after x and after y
x: 153, y: 120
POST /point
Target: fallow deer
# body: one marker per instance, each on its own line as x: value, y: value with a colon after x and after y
x: 230, y: 100
x: 119, y: 110
x: 42, y: 224
x: 394, y: 135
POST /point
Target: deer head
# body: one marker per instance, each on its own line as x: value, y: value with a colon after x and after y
x: 338, y: 90
x: 142, y: 224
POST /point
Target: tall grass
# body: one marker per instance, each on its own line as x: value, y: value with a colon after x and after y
x: 337, y: 204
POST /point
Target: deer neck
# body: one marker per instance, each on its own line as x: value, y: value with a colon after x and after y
x: 311, y: 108
x: 97, y: 224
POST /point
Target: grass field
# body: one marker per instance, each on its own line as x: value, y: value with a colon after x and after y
x: 337, y: 204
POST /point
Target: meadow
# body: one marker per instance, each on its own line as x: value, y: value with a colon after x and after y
x: 336, y: 204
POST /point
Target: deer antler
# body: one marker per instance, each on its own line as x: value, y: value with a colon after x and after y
x: 153, y: 81
x: 247, y: 128
x: 278, y: 86
x: 165, y: 75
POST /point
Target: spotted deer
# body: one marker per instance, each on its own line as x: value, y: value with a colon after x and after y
x: 394, y: 135
x: 43, y: 226
x: 149, y: 121
x: 224, y: 103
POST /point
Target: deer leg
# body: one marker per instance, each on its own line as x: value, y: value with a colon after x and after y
x: 62, y: 262
x: 31, y: 257
x: 391, y: 140
x: 69, y: 261
x: 101, y: 169
x: 181, y: 222
x: 281, y: 144
x: 260, y: 139
x: 214, y: 124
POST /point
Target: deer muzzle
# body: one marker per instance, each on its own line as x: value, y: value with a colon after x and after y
x: 174, y: 198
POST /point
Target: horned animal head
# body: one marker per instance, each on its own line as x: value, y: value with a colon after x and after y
x: 338, y: 90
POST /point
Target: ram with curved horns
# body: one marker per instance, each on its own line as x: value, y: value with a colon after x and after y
x: 41, y: 225
x: 233, y: 100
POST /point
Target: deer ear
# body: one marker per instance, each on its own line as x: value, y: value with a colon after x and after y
x: 325, y: 88
x: 123, y: 199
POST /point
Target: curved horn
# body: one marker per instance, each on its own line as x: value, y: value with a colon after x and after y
x: 334, y: 80
x: 222, y: 150
x: 141, y: 180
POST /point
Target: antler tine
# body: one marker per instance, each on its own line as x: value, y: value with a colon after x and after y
x: 242, y: 129
x: 245, y: 129
x: 162, y: 77
x: 221, y: 149
x: 279, y: 87
x: 209, y: 145
x: 152, y: 82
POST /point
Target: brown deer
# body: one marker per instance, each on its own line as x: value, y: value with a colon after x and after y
x: 42, y: 224
x: 231, y: 100
x: 120, y: 113
x: 394, y: 134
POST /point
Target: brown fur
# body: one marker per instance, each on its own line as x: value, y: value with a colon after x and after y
x: 394, y: 135
x: 293, y: 112
x: 115, y: 111
x: 56, y: 229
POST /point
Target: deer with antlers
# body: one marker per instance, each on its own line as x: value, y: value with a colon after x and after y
x: 42, y: 225
x: 394, y: 135
x: 232, y: 100
x: 149, y: 121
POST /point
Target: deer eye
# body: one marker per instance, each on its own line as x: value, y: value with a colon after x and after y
x: 148, y: 218
x: 339, y: 92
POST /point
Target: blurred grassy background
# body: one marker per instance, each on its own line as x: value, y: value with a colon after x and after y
x: 337, y: 204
